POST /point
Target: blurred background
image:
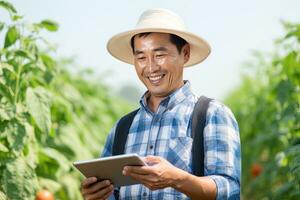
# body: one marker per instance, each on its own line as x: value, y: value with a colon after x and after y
x: 233, y: 29
x: 61, y: 91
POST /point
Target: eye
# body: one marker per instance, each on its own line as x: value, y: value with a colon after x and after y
x: 141, y: 58
x: 160, y: 55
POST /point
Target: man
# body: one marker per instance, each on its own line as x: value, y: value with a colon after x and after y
x: 159, y: 48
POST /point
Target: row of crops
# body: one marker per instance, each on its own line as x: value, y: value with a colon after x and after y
x: 49, y: 116
x: 267, y: 106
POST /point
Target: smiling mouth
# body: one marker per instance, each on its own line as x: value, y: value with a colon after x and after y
x: 155, y: 80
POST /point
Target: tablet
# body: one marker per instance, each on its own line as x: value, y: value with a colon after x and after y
x: 110, y: 168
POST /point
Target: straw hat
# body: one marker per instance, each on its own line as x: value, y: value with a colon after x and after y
x: 158, y: 20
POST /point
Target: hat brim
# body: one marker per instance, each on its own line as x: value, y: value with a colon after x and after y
x: 119, y: 45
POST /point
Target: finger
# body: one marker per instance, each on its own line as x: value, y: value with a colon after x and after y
x: 108, y: 194
x: 143, y: 170
x: 88, y: 181
x: 96, y: 187
x: 100, y: 194
x: 152, y: 159
x: 149, y: 178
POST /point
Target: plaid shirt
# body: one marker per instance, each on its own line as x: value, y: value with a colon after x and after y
x: 167, y: 133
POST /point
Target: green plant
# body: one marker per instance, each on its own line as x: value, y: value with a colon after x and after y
x: 267, y: 107
x: 49, y: 116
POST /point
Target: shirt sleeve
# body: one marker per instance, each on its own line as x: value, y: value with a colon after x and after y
x: 107, y: 149
x: 222, y: 151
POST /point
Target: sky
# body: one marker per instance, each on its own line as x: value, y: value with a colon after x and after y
x: 232, y: 28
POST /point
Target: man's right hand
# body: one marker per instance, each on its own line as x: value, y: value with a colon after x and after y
x: 92, y: 189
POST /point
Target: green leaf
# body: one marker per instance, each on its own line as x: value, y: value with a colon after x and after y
x: 52, y: 164
x: 6, y: 66
x: 31, y: 156
x: 73, y: 145
x: 7, y: 78
x: 71, y: 93
x: 48, y: 61
x: 16, y: 135
x: 6, y: 92
x: 283, y: 190
x: 11, y: 37
x: 49, y: 184
x: 1, y: 26
x: 2, y: 196
x: 20, y: 180
x: 58, y: 157
x: 49, y: 25
x: 6, y: 112
x: 16, y: 17
x: 71, y: 186
x: 3, y: 148
x: 38, y: 104
x: 24, y: 54
x: 8, y: 6
x: 34, y: 67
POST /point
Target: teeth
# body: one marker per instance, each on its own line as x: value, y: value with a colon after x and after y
x: 155, y: 78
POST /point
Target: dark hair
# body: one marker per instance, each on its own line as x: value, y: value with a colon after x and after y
x: 174, y: 39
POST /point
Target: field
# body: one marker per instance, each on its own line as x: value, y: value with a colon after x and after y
x: 51, y: 116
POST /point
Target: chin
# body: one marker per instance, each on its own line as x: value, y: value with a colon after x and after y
x: 159, y: 93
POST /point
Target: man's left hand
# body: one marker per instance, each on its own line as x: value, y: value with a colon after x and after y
x: 158, y: 174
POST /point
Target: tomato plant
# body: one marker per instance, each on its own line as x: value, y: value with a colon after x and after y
x: 49, y: 116
x: 267, y: 107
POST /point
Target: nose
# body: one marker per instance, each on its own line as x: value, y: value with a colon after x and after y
x: 153, y: 66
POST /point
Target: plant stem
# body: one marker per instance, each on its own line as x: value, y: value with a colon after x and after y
x: 18, y: 82
x: 20, y: 67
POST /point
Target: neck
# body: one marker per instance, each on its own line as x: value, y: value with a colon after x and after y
x: 154, y: 101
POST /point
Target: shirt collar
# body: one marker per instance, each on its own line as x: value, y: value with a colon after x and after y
x: 170, y: 101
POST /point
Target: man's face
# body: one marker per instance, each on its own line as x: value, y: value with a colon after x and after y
x: 158, y: 63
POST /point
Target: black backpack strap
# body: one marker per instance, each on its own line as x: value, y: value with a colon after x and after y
x: 120, y: 138
x: 198, y: 124
x: 121, y: 133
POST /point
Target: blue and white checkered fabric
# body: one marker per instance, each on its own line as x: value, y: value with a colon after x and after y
x: 167, y: 133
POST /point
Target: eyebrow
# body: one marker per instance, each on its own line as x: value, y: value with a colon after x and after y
x: 136, y: 52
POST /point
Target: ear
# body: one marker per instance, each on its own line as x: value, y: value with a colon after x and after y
x: 186, y: 50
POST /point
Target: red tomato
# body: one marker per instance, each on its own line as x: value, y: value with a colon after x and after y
x: 44, y: 195
x: 256, y: 170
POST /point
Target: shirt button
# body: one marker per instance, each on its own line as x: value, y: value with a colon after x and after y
x: 145, y: 194
x: 151, y: 147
